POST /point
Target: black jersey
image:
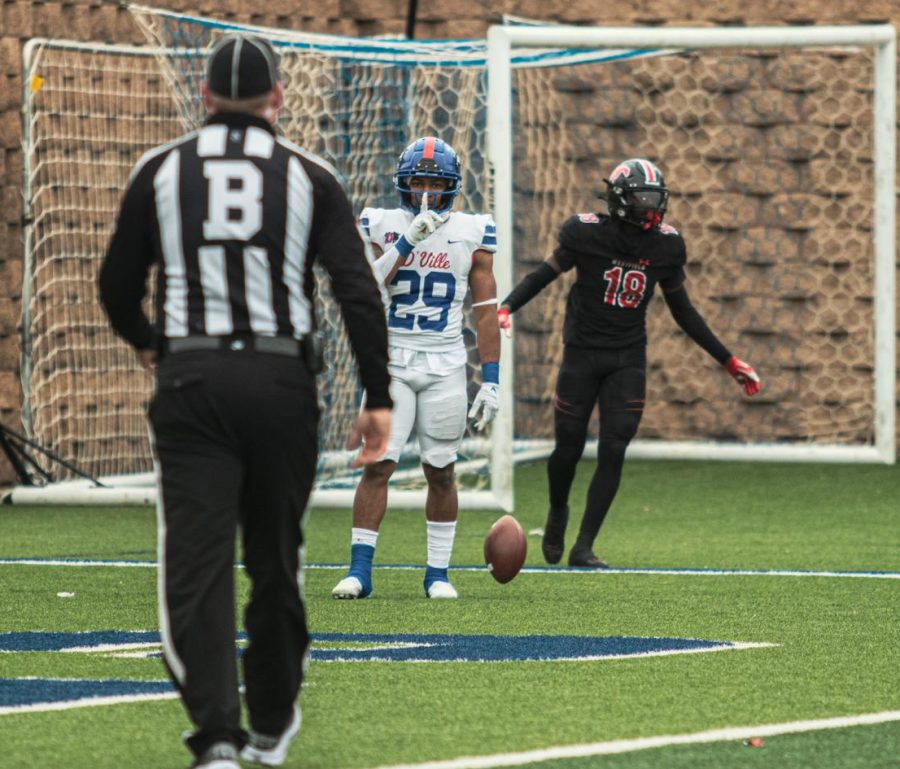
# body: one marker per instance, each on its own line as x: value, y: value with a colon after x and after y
x: 235, y: 216
x: 618, y: 266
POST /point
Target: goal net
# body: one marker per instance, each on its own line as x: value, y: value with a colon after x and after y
x: 91, y: 110
x: 778, y: 145
x: 778, y: 163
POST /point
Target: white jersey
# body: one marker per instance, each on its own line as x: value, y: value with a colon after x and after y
x: 426, y: 295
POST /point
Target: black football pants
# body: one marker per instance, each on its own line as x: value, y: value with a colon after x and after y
x: 616, y: 381
x: 236, y: 444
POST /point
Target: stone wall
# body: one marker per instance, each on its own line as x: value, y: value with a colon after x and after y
x: 108, y: 22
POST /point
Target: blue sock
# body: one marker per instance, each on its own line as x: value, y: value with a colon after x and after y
x: 361, y: 566
x: 432, y: 575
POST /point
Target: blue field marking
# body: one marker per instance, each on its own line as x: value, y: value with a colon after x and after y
x: 490, y: 648
x: 393, y: 647
x: 36, y: 694
x: 19, y: 692
x: 45, y: 641
x: 86, y: 641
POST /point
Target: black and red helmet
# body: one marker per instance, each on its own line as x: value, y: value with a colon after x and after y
x: 636, y: 193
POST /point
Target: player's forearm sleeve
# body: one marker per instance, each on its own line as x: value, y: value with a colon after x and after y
x: 687, y: 317
x: 530, y: 286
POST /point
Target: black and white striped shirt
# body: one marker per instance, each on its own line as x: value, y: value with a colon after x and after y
x: 235, y: 217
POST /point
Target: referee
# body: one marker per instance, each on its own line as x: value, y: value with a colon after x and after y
x: 234, y: 217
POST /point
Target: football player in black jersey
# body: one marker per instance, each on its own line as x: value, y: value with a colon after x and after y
x: 619, y: 258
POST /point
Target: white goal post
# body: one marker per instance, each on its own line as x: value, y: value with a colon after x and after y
x: 505, y: 42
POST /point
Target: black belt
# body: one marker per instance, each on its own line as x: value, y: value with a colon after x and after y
x: 273, y: 345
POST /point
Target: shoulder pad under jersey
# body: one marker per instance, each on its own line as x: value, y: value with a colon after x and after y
x: 669, y: 248
x: 384, y: 225
x: 578, y: 232
x: 478, y: 231
x: 370, y: 216
x: 667, y: 229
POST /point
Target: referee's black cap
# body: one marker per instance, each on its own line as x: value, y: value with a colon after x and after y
x: 241, y: 66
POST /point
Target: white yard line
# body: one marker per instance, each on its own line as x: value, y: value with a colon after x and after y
x: 56, y: 562
x: 88, y: 702
x: 724, y: 572
x: 74, y: 562
x: 645, y: 743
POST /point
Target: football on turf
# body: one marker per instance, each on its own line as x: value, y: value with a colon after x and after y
x: 505, y: 548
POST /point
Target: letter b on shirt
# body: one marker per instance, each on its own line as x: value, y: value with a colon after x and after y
x: 235, y: 200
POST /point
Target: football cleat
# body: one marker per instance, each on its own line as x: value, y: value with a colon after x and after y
x: 585, y: 558
x: 271, y: 751
x: 351, y: 587
x: 437, y: 583
x: 553, y: 542
x: 441, y: 590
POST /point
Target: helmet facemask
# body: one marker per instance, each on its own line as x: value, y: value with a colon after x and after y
x: 646, y: 207
x: 411, y: 199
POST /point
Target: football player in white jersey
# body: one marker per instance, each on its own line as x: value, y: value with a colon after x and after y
x: 428, y: 257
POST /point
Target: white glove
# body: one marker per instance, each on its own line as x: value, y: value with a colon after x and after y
x: 425, y: 223
x: 488, y: 402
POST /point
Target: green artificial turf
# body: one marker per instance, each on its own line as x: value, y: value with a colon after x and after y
x: 834, y: 651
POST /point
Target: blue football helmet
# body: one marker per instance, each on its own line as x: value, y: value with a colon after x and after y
x: 434, y: 159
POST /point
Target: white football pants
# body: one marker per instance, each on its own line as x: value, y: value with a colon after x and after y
x: 435, y: 405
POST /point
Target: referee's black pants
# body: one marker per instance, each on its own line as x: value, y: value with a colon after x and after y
x: 236, y: 444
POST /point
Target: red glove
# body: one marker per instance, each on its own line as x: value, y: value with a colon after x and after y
x: 504, y: 321
x: 745, y: 375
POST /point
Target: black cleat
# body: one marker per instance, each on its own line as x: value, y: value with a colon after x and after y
x: 553, y: 544
x: 585, y: 558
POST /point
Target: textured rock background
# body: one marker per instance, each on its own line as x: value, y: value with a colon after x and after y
x: 760, y: 112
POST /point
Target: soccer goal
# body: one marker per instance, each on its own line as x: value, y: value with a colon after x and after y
x: 90, y: 111
x: 777, y: 144
x: 779, y: 147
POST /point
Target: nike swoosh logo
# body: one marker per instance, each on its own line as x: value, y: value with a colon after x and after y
x: 455, y: 241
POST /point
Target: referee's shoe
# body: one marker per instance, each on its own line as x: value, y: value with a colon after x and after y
x: 272, y: 750
x: 219, y: 755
